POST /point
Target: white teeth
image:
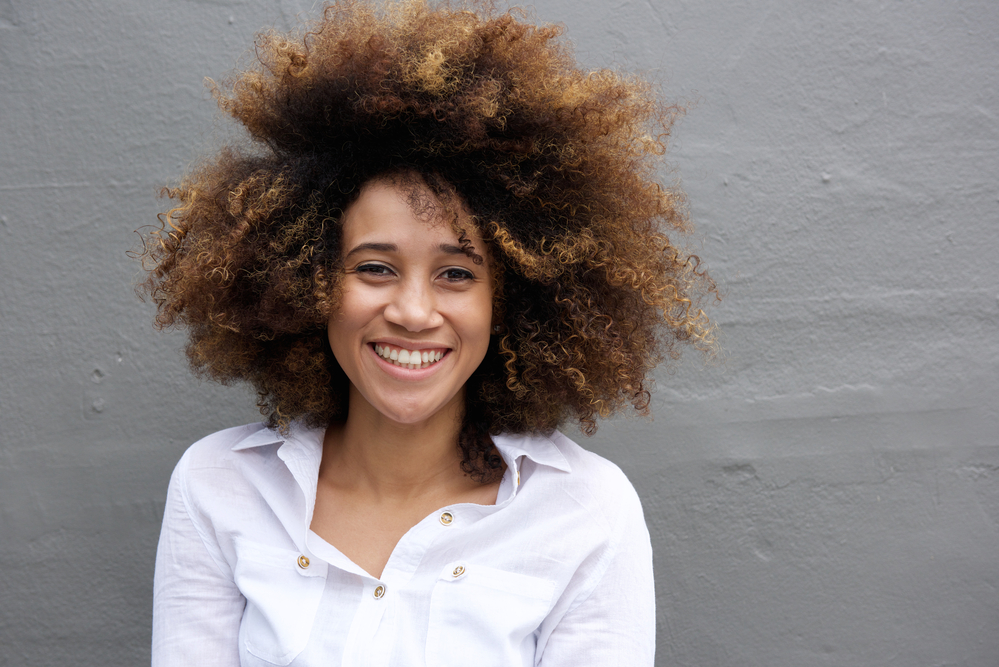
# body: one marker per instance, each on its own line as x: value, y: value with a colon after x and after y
x: 411, y: 359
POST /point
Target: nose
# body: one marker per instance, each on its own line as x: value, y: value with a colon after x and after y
x: 413, y: 306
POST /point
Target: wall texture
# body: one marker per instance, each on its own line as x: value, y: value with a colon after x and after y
x: 828, y: 494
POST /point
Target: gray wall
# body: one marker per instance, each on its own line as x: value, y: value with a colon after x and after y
x: 827, y: 494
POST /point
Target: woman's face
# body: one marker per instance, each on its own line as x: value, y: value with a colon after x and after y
x: 416, y: 312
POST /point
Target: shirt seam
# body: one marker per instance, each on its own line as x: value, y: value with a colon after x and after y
x: 215, y: 554
x: 601, y: 567
x: 599, y: 572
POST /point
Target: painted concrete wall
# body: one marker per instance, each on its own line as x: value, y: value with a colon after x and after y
x: 827, y: 495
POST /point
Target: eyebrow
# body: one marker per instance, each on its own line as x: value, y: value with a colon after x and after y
x: 446, y: 248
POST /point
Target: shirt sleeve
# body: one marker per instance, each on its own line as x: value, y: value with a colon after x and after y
x: 196, y: 605
x: 613, y: 621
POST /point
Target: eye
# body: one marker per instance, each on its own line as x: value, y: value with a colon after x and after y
x: 456, y: 275
x: 373, y: 270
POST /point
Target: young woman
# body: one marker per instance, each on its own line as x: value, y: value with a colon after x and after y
x: 443, y: 241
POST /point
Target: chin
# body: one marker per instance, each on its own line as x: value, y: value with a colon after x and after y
x: 413, y: 415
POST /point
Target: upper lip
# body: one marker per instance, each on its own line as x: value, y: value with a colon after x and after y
x: 411, y: 345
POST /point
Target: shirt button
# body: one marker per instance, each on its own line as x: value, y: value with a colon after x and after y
x: 379, y: 592
x: 303, y: 561
x: 447, y: 518
x: 458, y: 571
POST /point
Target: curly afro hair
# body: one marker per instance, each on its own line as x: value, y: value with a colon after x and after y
x: 559, y: 168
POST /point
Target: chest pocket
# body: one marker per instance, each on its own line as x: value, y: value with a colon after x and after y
x: 283, y: 590
x: 484, y: 616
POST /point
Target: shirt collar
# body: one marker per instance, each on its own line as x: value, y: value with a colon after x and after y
x: 261, y: 437
x: 537, y: 447
x: 301, y: 450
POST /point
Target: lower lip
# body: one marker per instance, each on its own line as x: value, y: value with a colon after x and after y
x: 409, y: 374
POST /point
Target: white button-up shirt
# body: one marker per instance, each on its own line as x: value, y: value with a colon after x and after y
x: 557, y: 572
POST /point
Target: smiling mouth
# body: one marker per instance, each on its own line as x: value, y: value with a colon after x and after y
x: 412, y: 359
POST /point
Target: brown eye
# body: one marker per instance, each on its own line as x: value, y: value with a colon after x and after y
x: 373, y: 270
x: 457, y: 275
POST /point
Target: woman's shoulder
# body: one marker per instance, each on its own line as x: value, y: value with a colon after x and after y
x: 242, y: 467
x: 248, y: 451
x: 586, y: 477
x: 589, y: 464
x: 216, y: 449
x: 557, y: 451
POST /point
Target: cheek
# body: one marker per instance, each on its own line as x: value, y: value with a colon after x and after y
x: 354, y: 308
x: 479, y: 318
x: 336, y: 338
x: 344, y: 323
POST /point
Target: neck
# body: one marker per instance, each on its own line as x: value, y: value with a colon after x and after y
x: 390, y: 460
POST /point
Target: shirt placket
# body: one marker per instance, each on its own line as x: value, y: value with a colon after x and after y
x: 370, y: 639
x: 370, y: 642
x: 371, y: 635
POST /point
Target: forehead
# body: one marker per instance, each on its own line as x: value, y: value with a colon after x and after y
x: 390, y: 208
